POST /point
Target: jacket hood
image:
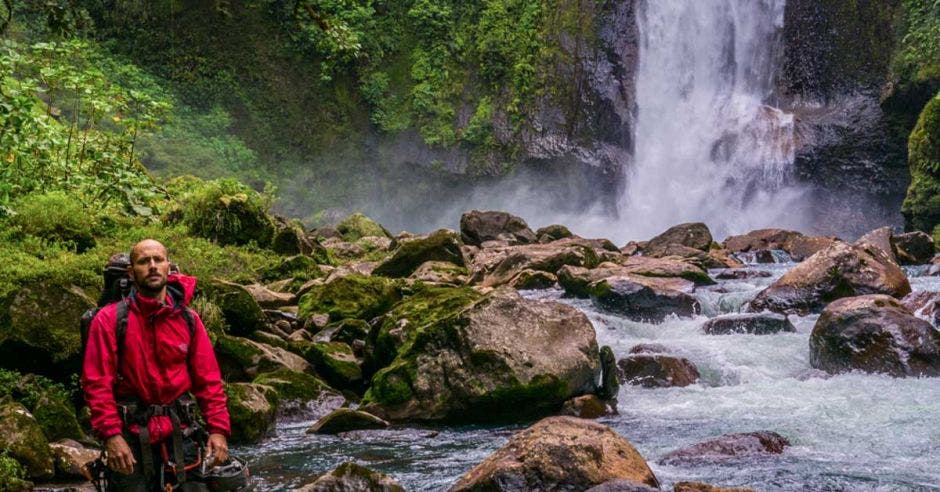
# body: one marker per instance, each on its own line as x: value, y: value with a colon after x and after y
x: 182, y: 284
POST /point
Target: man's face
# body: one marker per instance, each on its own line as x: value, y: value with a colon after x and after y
x: 149, y: 267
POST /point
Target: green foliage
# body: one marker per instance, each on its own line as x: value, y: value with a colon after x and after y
x: 32, y: 389
x: 12, y: 473
x: 56, y: 216
x: 358, y: 225
x: 918, y: 55
x: 921, y: 208
x: 228, y: 212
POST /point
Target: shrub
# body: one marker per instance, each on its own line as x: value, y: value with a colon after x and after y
x: 228, y: 212
x: 58, y: 217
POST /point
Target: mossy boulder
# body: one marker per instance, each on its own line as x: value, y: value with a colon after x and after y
x: 39, y: 324
x: 504, y: 357
x: 358, y: 225
x: 350, y: 296
x: 440, y: 245
x: 228, y: 212
x: 298, y: 267
x: 693, y: 235
x: 22, y: 438
x: 58, y: 217
x: 921, y: 208
x: 345, y: 420
x: 349, y: 331
x: 70, y: 457
x: 13, y: 475
x: 350, y: 476
x: 477, y: 227
x: 553, y: 232
x: 296, y: 391
x: 440, y: 272
x: 242, y: 312
x: 252, y: 409
x: 414, y: 313
x: 211, y: 315
x: 493, y: 267
x: 244, y: 359
x: 49, y: 402
x: 335, y: 362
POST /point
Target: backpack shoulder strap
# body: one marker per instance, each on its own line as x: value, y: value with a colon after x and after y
x: 190, y: 321
x: 120, y: 329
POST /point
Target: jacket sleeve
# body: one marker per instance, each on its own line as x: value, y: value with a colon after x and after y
x: 99, y: 371
x: 207, y: 382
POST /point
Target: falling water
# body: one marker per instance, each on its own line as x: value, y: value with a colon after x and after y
x: 709, y: 145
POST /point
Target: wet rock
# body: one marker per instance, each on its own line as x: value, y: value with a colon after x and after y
x: 498, y: 266
x: 631, y: 248
x: 252, y: 409
x: 755, y: 324
x: 925, y: 305
x: 296, y: 391
x: 657, y: 371
x: 610, y: 382
x: 650, y: 348
x: 244, y: 359
x: 352, y: 477
x: 841, y: 270
x: 358, y: 226
x: 874, y: 333
x: 502, y: 357
x: 879, y: 238
x: 914, y: 248
x: 666, y: 273
x: 802, y: 247
x: 440, y: 272
x: 559, y: 453
x: 70, y: 457
x: 268, y: 299
x: 741, y: 274
x: 666, y: 268
x: 621, y: 486
x: 242, y: 312
x: 347, y: 331
x: 704, y: 487
x: 335, y: 362
x: 642, y: 298
x: 440, y: 245
x: 479, y: 226
x: 585, y: 407
x: 794, y: 243
x: 533, y: 279
x: 377, y: 243
x: 553, y: 232
x: 728, y: 447
x: 22, y: 438
x: 350, y: 296
x: 692, y: 235
x: 344, y: 420
x: 719, y: 258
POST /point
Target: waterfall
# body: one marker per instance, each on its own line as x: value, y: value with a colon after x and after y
x: 709, y: 145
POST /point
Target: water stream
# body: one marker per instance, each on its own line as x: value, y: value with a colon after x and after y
x: 848, y: 432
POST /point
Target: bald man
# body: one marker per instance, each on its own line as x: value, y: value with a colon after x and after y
x: 145, y: 356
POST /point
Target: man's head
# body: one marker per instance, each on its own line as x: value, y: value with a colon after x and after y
x: 149, y: 268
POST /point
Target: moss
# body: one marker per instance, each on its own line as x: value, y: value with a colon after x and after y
x: 242, y: 313
x: 56, y: 216
x: 336, y: 362
x: 23, y: 438
x: 553, y: 233
x: 921, y: 207
x: 293, y: 385
x: 228, y: 212
x: 252, y: 409
x: 12, y: 474
x: 352, y: 296
x: 243, y: 354
x: 357, y: 226
x: 441, y: 245
x: 514, y: 400
x: 391, y: 385
x: 48, y: 401
x: 211, y: 316
x: 426, y: 307
x: 298, y: 267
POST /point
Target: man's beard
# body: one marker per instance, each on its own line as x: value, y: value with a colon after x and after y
x: 149, y: 290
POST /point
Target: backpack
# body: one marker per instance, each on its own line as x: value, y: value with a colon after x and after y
x: 117, y: 287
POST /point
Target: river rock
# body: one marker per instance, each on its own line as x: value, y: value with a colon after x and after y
x: 642, y: 298
x: 350, y: 296
x: 501, y: 357
x: 650, y: 348
x: 498, y: 266
x: 440, y: 272
x: 242, y: 312
x: 243, y: 359
x: 841, y: 270
x: 70, y: 456
x: 874, y: 333
x: 666, y: 267
x: 914, y: 248
x: 585, y: 407
x: 252, y: 409
x: 802, y: 247
x: 693, y: 235
x: 479, y: 226
x: 269, y: 299
x: 335, y: 362
x: 879, y: 238
x: 577, y: 280
x: 533, y: 279
x: 657, y: 371
x: 300, y: 394
x: 925, y: 305
x: 553, y: 232
x: 610, y: 380
x: 742, y: 274
x: 797, y: 245
x: 621, y: 486
x: 350, y: 477
x: 755, y: 324
x: 728, y: 447
x: 440, y: 245
x: 559, y: 453
x: 344, y: 420
x: 22, y: 438
x: 704, y: 487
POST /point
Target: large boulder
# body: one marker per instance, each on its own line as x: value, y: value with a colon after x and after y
x: 841, y: 270
x: 502, y: 357
x: 358, y: 225
x: 642, y: 298
x: 335, y: 362
x: 241, y: 311
x: 493, y: 267
x: 440, y: 245
x: 349, y: 477
x: 22, y: 438
x: 440, y: 273
x: 70, y: 457
x: 552, y: 232
x: 350, y: 296
x: 252, y: 409
x: 577, y: 280
x: 728, y: 447
x: 924, y: 305
x: 476, y: 227
x: 270, y: 299
x: 913, y: 248
x: 657, y: 371
x: 39, y: 325
x: 874, y: 333
x: 794, y: 243
x: 880, y: 238
x: 300, y: 394
x: 244, y: 359
x: 345, y: 420
x: 666, y: 267
x: 752, y: 323
x: 559, y: 453
x: 693, y: 235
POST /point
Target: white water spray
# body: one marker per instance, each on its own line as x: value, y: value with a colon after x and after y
x: 709, y: 146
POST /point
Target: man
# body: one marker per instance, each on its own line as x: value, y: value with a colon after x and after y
x: 161, y: 361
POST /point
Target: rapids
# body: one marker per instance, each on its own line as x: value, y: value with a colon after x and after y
x: 848, y: 432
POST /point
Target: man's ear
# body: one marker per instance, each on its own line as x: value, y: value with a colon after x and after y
x: 130, y: 272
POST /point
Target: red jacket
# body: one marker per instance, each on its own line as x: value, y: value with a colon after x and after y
x: 160, y: 364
